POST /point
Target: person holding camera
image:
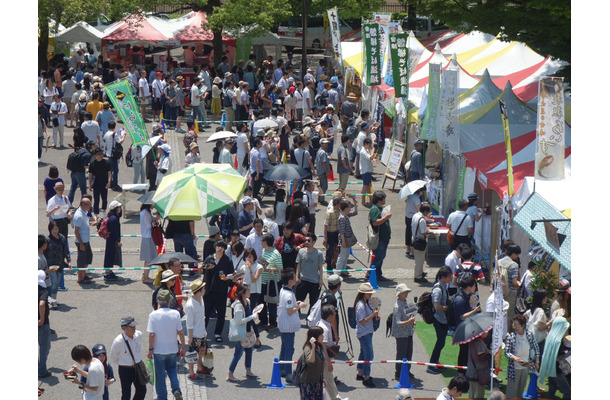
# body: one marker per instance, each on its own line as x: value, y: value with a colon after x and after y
x: 311, y: 384
x: 58, y: 110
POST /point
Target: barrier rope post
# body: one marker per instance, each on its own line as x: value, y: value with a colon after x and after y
x: 532, y: 389
x: 404, y: 383
x: 373, y: 278
x: 276, y: 378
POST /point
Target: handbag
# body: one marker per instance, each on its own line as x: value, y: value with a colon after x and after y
x: 451, y: 235
x: 157, y: 235
x: 249, y: 340
x: 207, y: 359
x: 372, y: 237
x: 351, y: 241
x: 272, y: 298
x: 237, y: 332
x: 419, y: 244
x: 521, y: 305
x: 142, y: 373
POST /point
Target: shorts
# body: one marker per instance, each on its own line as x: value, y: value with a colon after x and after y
x: 84, y: 257
x: 198, y: 345
x: 144, y: 101
x: 180, y: 112
x: 157, y: 105
x: 366, y: 178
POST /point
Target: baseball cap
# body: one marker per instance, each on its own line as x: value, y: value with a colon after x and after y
x: 98, y: 349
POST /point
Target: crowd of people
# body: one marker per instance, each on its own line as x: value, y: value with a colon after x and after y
x: 268, y: 263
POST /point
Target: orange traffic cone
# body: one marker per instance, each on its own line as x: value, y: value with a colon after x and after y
x: 235, y: 165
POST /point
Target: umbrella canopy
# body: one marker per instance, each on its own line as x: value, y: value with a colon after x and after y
x: 286, y: 172
x: 146, y: 148
x: 221, y: 135
x: 147, y: 198
x: 265, y: 123
x: 473, y: 327
x: 411, y: 188
x: 164, y: 258
x: 197, y: 191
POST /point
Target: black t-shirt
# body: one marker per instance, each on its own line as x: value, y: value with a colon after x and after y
x: 100, y: 170
x: 214, y: 285
x: 43, y: 295
x: 181, y: 226
x: 208, y: 248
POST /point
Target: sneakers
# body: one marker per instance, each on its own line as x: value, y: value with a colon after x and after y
x: 218, y: 338
x: 177, y: 395
x: 110, y: 277
x: 368, y: 382
x: 271, y: 327
x: 359, y: 377
x: 194, y: 377
x: 433, y: 370
x: 180, y: 130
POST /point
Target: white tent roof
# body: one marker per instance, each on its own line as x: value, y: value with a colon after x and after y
x: 423, y: 67
x: 520, y: 56
x: 480, y: 94
x: 552, y: 191
x: 492, y: 48
x: 80, y: 32
x: 467, y: 42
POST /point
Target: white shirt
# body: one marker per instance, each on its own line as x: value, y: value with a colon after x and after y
x: 328, y: 333
x: 96, y: 377
x: 412, y: 205
x: 254, y: 241
x: 418, y: 219
x: 195, y: 317
x: 359, y: 141
x: 225, y: 156
x: 242, y: 139
x: 255, y: 287
x: 108, y: 139
x: 365, y: 163
x: 195, y: 100
x: 144, y: 89
x: 455, y: 219
x: 158, y: 87
x: 299, y: 97
x: 307, y: 95
x: 119, y: 353
x: 92, y: 130
x: 59, y: 107
x: 287, y: 323
x: 64, y: 204
x: 165, y: 163
x: 146, y: 221
x: 452, y: 262
x: 165, y: 324
x: 274, y: 230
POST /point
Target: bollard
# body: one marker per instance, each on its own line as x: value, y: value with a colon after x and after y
x: 373, y: 278
x: 404, y: 383
x: 276, y: 378
x: 532, y: 389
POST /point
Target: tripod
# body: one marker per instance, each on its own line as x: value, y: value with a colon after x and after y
x: 350, y: 348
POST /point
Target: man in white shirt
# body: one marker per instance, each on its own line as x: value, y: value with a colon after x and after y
x: 126, y: 352
x: 288, y: 319
x: 94, y: 386
x: 225, y: 153
x: 242, y: 150
x: 327, y: 319
x: 163, y: 325
x: 110, y: 139
x: 452, y: 260
x: 270, y: 225
x: 364, y: 132
x: 196, y: 101
x: 254, y: 238
x: 460, y: 224
x: 308, y: 98
x: 158, y: 97
x: 92, y: 129
x: 143, y: 93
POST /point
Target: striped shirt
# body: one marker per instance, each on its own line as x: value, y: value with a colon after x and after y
x: 363, y: 311
x: 275, y: 261
x: 332, y: 219
x: 345, y: 227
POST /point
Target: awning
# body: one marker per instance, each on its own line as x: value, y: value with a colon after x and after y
x: 537, y: 208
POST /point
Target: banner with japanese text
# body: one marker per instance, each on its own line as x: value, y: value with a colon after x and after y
x: 509, y: 151
x: 448, y: 134
x: 242, y: 51
x: 550, y: 132
x: 128, y: 109
x: 461, y: 181
x: 430, y: 125
x: 372, y: 53
x: 399, y: 54
x: 335, y: 33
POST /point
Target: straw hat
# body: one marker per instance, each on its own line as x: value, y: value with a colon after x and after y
x: 197, y: 285
x: 308, y: 121
x: 365, y: 288
x: 217, y: 80
x: 352, y: 96
x: 167, y: 275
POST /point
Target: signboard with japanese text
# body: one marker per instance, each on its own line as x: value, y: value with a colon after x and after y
x: 335, y: 33
x: 372, y: 53
x: 121, y: 97
x: 399, y: 54
x: 550, y: 133
x: 396, y: 155
x: 428, y: 131
x: 448, y: 133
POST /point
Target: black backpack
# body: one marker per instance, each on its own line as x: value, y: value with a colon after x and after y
x: 451, y: 321
x: 75, y: 163
x: 227, y: 223
x: 298, y: 370
x: 226, y: 100
x: 464, y: 272
x: 351, y: 317
x: 388, y: 324
x: 425, y: 307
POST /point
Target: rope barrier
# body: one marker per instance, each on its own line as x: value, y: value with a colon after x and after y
x: 348, y: 362
x: 348, y: 270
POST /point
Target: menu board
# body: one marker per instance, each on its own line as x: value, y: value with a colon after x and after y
x: 396, y: 155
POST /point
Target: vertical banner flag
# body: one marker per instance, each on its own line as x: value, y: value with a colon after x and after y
x: 550, y: 133
x: 448, y: 134
x: 428, y: 131
x: 335, y: 33
x: 509, y: 152
x: 461, y: 178
x: 498, y: 305
x: 242, y: 51
x: 122, y: 99
x: 400, y: 63
x: 372, y: 53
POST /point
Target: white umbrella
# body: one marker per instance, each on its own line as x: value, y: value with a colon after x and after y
x: 146, y: 148
x: 221, y: 135
x: 411, y: 188
x: 265, y: 123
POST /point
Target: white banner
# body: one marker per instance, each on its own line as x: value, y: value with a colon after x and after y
x: 550, y: 133
x: 335, y: 33
x: 448, y: 133
x: 498, y: 326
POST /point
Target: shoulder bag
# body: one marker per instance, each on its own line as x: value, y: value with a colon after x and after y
x: 272, y: 296
x: 372, y: 237
x: 419, y: 244
x: 142, y: 373
x: 451, y: 235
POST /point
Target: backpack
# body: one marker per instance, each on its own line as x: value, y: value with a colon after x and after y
x: 315, y: 314
x: 233, y: 149
x: 318, y: 100
x: 117, y: 149
x: 75, y: 163
x: 388, y: 324
x: 129, y: 158
x: 451, y: 321
x: 102, y: 229
x: 425, y: 307
x: 351, y: 317
x: 226, y: 100
x: 227, y: 223
x: 257, y: 98
x: 503, y: 267
x: 298, y: 370
x: 463, y: 272
x: 267, y: 228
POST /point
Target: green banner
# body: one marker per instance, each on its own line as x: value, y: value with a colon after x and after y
x: 242, y: 51
x: 461, y: 178
x: 399, y: 53
x: 372, y: 53
x: 428, y: 130
x: 128, y: 109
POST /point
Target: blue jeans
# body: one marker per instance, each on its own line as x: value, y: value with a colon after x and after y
x: 239, y: 350
x: 139, y: 171
x: 54, y: 276
x: 380, y: 253
x: 114, y: 163
x: 44, y: 343
x: 170, y: 116
x: 198, y: 115
x: 366, y: 354
x: 286, y: 351
x: 441, y: 335
x: 183, y: 243
x: 78, y: 181
x: 40, y: 144
x: 165, y: 364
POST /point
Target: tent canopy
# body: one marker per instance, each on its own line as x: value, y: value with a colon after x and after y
x: 134, y: 30
x: 80, y: 32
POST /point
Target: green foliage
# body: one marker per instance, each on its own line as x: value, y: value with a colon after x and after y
x: 546, y: 280
x: 252, y: 17
x: 348, y: 9
x: 544, y: 25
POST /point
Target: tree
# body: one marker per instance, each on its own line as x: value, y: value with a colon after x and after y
x: 544, y: 25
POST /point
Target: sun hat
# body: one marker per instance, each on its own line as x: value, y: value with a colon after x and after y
x: 334, y: 279
x: 82, y: 97
x: 114, y: 204
x: 324, y: 140
x: 98, y: 349
x: 193, y: 145
x: 246, y: 200
x: 128, y: 321
x: 365, y: 288
x: 401, y: 288
x: 217, y: 80
x: 164, y: 296
x: 197, y: 285
x: 308, y: 121
x: 227, y: 74
x: 330, y: 106
x: 167, y: 275
x: 403, y: 394
x: 352, y: 96
x: 213, y: 230
x: 179, y: 78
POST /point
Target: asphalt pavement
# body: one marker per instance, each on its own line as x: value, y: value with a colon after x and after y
x: 90, y: 314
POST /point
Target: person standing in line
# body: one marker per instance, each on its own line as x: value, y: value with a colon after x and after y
x: 112, y: 254
x: 413, y: 203
x: 311, y: 386
x: 440, y: 302
x: 460, y: 224
x: 163, y: 326
x: 148, y: 250
x: 364, y: 332
x: 310, y: 271
x: 195, y: 325
x: 345, y: 233
x: 126, y: 352
x: 217, y: 269
x: 95, y: 383
x: 59, y: 111
x: 82, y: 229
x: 420, y: 230
x: 344, y: 162
x: 111, y: 139
x: 366, y: 161
x: 403, y: 327
x: 417, y: 161
x: 100, y: 176
x: 523, y: 354
x: 382, y: 223
x: 289, y: 321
